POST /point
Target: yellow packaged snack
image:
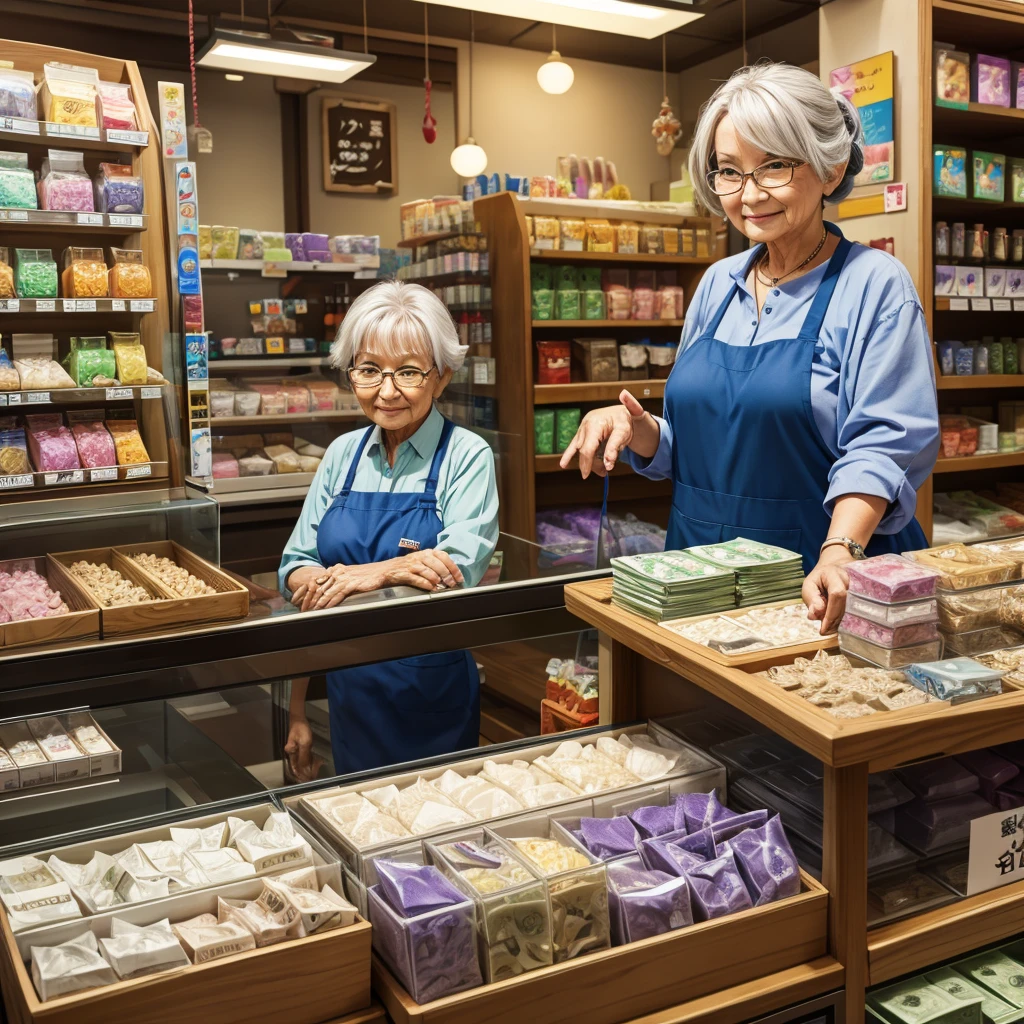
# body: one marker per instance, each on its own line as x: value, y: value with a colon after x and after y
x: 129, y: 276
x: 546, y: 232
x: 6, y: 276
x: 127, y: 442
x: 205, y: 242
x: 130, y: 356
x: 573, y: 233
x: 627, y: 236
x: 85, y: 274
x: 68, y: 94
x: 600, y: 235
x: 670, y: 241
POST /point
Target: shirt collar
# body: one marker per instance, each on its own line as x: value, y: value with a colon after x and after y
x: 423, y: 442
x: 797, y: 289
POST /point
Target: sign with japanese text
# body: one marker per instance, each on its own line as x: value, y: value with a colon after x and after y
x: 360, y: 149
x: 868, y: 85
x: 997, y: 851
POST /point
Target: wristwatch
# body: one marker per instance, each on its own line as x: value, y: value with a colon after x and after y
x: 851, y: 545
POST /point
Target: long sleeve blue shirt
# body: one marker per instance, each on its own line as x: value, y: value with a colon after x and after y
x: 872, y: 380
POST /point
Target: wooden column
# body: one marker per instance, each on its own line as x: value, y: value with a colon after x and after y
x: 617, y: 674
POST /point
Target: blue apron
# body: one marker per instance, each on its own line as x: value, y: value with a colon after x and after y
x: 402, y: 710
x: 748, y: 459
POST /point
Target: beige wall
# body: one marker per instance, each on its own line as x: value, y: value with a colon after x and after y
x: 851, y: 30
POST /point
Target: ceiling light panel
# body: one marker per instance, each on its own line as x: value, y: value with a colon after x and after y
x: 240, y: 53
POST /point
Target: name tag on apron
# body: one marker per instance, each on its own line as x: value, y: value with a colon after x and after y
x: 409, y: 545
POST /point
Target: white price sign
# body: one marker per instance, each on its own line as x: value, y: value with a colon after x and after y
x: 150, y: 393
x: 1018, y: 305
x: 69, y: 305
x: 91, y: 218
x: 17, y: 214
x: 10, y: 305
x: 73, y: 131
x: 134, y: 472
x: 125, y: 220
x: 85, y: 305
x: 118, y: 394
x: 959, y: 304
x: 981, y: 305
x: 46, y: 305
x: 132, y: 138
x: 997, y: 851
x: 3, y: 401
x: 99, y: 476
x: 12, y: 483
x: 67, y: 476
x: 141, y: 305
x: 1001, y: 305
x: 117, y: 306
x: 37, y: 397
x: 14, y: 398
x: 16, y: 124
x: 274, y: 270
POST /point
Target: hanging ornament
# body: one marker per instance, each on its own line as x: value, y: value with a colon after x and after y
x: 201, y: 137
x: 429, y: 121
x: 666, y: 128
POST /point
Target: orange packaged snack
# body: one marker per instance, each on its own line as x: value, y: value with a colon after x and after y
x: 85, y: 274
x: 129, y: 276
x: 127, y: 442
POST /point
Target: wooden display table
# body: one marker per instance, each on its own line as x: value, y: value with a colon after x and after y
x: 648, y: 671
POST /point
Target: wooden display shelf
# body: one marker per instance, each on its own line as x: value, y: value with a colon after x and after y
x: 936, y: 935
x: 75, y: 307
x: 569, y: 256
x: 266, y: 362
x: 366, y: 262
x: 436, y: 236
x: 41, y: 133
x: 880, y: 741
x: 949, y: 303
x: 596, y: 391
x: 966, y: 463
x: 54, y: 221
x: 979, y: 120
x: 284, y: 417
x: 550, y: 464
x: 980, y: 380
x: 612, y: 209
x: 21, y: 400
x: 611, y: 324
x: 641, y: 977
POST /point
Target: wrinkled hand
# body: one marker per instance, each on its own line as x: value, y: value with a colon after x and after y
x: 303, y: 765
x: 613, y: 426
x: 824, y: 590
x: 429, y: 569
x: 426, y: 570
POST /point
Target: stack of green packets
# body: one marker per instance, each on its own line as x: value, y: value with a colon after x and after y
x: 670, y: 585
x: 985, y: 989
x: 763, y: 573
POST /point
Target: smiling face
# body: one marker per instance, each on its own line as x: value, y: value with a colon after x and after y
x: 766, y: 215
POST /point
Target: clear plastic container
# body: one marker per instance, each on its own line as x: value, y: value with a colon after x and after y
x: 85, y: 274
x: 129, y: 277
x: 950, y: 869
x: 17, y: 94
x: 891, y: 578
x: 962, y: 567
x: 980, y: 641
x: 938, y: 779
x: 888, y: 657
x: 17, y: 183
x: 119, y: 190
x: 905, y: 635
x: 63, y: 183
x: 939, y: 824
x: 894, y: 895
x: 90, y: 358
x: 954, y: 677
x: 754, y: 753
x: 961, y: 611
x: 901, y: 613
x: 117, y: 109
x: 35, y: 274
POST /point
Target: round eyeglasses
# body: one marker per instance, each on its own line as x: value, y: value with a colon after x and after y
x: 403, y: 377
x: 773, y: 174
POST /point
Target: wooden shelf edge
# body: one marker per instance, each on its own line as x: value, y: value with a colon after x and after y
x: 964, y: 464
x: 981, y: 380
x: 549, y: 464
x: 553, y: 394
x: 584, y: 256
x: 646, y: 324
x: 936, y: 935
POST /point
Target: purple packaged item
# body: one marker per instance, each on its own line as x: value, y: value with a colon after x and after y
x: 992, y: 770
x: 766, y: 862
x: 723, y: 831
x: 63, y: 183
x: 664, y: 853
x: 412, y: 889
x: 318, y: 256
x: 313, y: 242
x: 655, y: 820
x: 890, y: 636
x: 119, y: 189
x: 890, y: 578
x: 701, y: 842
x: 716, y: 888
x: 51, y: 444
x: 608, y: 837
x: 643, y: 903
x: 1010, y: 795
x: 695, y: 811
x: 930, y: 826
x: 1011, y: 751
x: 990, y: 80
x: 938, y: 779
x: 294, y: 244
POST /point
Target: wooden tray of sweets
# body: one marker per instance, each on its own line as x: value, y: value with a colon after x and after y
x: 82, y: 622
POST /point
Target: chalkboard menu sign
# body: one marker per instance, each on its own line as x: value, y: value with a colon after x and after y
x: 359, y: 146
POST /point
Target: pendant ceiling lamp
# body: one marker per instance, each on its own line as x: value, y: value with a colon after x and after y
x: 554, y: 75
x: 469, y: 159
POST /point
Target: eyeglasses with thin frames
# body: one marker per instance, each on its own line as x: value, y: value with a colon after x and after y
x: 773, y: 174
x: 404, y: 377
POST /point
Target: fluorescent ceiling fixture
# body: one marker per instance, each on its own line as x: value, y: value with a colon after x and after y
x: 624, y: 19
x: 242, y: 52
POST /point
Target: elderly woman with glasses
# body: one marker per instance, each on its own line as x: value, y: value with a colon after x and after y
x: 801, y: 410
x: 411, y: 501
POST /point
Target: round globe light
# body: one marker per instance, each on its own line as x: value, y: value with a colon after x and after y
x: 554, y: 75
x: 469, y: 159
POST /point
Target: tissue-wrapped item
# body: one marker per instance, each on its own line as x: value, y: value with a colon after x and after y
x: 766, y: 862
x: 421, y: 807
x: 134, y: 952
x: 47, y: 903
x: 276, y: 847
x: 532, y: 786
x: 717, y: 888
x: 204, y: 938
x: 640, y: 755
x: 361, y: 821
x: 585, y: 768
x: 103, y: 882
x: 318, y: 911
x: 213, y: 837
x: 270, y: 918
x: 72, y: 966
x: 477, y: 796
x: 222, y: 865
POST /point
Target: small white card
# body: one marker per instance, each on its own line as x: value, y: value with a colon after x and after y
x: 895, y: 197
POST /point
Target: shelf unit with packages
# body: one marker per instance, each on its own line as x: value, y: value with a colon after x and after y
x: 532, y: 480
x: 148, y: 401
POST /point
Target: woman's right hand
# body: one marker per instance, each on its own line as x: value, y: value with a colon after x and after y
x: 617, y: 426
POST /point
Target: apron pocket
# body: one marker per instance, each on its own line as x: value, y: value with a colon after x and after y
x: 434, y: 684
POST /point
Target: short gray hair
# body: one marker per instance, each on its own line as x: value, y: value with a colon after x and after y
x: 397, y: 319
x: 787, y: 112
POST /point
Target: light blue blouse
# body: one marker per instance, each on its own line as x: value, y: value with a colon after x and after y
x: 872, y: 380
x: 467, y: 493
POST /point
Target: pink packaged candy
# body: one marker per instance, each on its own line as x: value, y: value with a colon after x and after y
x: 225, y: 466
x: 890, y: 636
x: 891, y: 578
x: 51, y: 444
x: 24, y: 594
x: 94, y: 443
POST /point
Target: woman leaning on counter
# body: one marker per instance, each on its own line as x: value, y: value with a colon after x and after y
x: 801, y: 410
x: 411, y: 501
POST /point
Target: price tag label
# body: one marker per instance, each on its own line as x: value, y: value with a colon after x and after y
x: 10, y: 305
x: 72, y: 131
x: 151, y: 393
x: 959, y: 304
x: 91, y: 218
x: 117, y: 306
x: 46, y: 305
x: 99, y: 476
x: 274, y: 270
x: 12, y: 483
x: 997, y: 851
x: 118, y: 394
x: 21, y: 215
x: 1018, y: 305
x: 125, y: 220
x: 69, y: 305
x: 141, y: 305
x: 37, y: 397
x: 14, y: 398
x: 16, y: 124
x: 1001, y: 305
x: 67, y: 476
x: 981, y: 305
x: 134, y: 472
x: 3, y: 401
x: 132, y: 138
x: 85, y: 305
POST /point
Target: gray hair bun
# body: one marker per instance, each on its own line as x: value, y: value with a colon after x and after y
x: 856, y: 162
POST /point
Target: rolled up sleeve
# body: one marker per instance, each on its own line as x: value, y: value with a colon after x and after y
x: 888, y: 422
x: 659, y: 465
x: 468, y: 505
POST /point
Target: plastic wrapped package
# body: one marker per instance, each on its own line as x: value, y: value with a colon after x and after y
x: 17, y: 94
x: 250, y: 244
x: 72, y: 966
x: 890, y: 636
x: 992, y: 770
x: 930, y: 826
x: 85, y: 273
x: 128, y: 442
x: 938, y: 779
x: 63, y: 183
x: 35, y: 273
x: 285, y: 459
x: 129, y: 277
x: 130, y: 357
x: 17, y: 183
x: 6, y: 275
x: 668, y: 303
x: 117, y: 109
x: 90, y: 358
x: 293, y: 243
x: 887, y: 656
x: 225, y: 466
x: 246, y: 403
x: 13, y: 448
x: 120, y: 190
x: 9, y: 378
x: 717, y: 888
x: 891, y: 578
x: 896, y: 894
x: 68, y: 95
x: 600, y: 234
x: 50, y: 443
x: 205, y: 242
x: 323, y: 395
x: 296, y: 397
x: 956, y: 677
x: 961, y: 567
x: 643, y: 903
x: 766, y: 862
x: 981, y: 641
x: 901, y: 614
x: 92, y: 439
x: 192, y: 313
x: 224, y: 242
x: 255, y: 464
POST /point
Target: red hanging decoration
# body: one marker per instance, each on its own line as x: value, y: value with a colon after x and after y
x: 429, y: 121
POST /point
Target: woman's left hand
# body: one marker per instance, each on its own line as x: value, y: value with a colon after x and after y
x: 824, y: 590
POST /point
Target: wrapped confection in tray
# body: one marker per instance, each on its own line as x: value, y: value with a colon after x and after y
x: 891, y: 578
x: 898, y: 894
x: 980, y: 641
x: 886, y: 657
x: 890, y: 636
x: 902, y: 613
x: 961, y: 566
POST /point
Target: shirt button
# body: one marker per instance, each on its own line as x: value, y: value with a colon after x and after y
x: 753, y: 323
x: 777, y: 292
x: 767, y: 309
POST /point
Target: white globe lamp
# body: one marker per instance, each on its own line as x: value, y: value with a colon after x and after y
x: 469, y: 159
x: 554, y: 75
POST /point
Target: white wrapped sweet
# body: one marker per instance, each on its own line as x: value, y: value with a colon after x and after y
x: 222, y: 865
x: 72, y: 966
x: 135, y: 951
x: 277, y: 846
x: 478, y: 796
x: 211, y: 838
x: 319, y: 911
x: 359, y: 820
x: 420, y: 807
x: 204, y: 938
x: 47, y: 904
x: 104, y: 883
x: 586, y: 769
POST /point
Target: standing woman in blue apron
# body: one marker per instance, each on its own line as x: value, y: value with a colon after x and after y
x: 410, y: 501
x: 801, y: 410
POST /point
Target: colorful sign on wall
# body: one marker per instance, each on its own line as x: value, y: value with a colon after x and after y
x: 868, y: 84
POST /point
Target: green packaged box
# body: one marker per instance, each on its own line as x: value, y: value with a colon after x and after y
x: 917, y: 1002
x: 35, y: 274
x: 998, y: 973
x: 90, y: 358
x: 590, y: 279
x: 949, y: 176
x: 953, y: 983
x: 567, y: 305
x: 1016, y: 180
x: 543, y: 304
x: 544, y: 431
x: 566, y: 279
x: 567, y: 422
x: 989, y: 178
x: 540, y: 275
x: 593, y: 305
